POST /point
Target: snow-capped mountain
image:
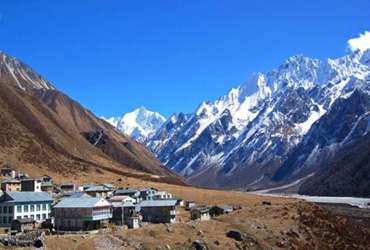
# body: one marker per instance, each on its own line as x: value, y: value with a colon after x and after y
x: 243, y: 140
x: 139, y: 124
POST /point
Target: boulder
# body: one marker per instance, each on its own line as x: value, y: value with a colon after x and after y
x: 236, y: 235
x: 266, y: 203
x: 38, y: 243
x: 199, y: 245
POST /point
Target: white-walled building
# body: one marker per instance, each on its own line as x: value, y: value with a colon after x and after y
x: 163, y: 195
x: 122, y: 199
x: 200, y: 213
x: 23, y: 205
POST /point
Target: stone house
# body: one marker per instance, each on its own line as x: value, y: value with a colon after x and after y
x: 23, y: 225
x: 189, y: 205
x: 125, y: 214
x: 99, y: 191
x: 200, y: 213
x: 31, y: 185
x: 122, y: 199
x: 68, y: 187
x: 158, y: 211
x: 11, y: 185
x: 219, y: 210
x: 7, y: 171
x: 47, y: 187
x: 180, y: 202
x: 80, y: 214
x: 133, y: 193
x: 148, y: 194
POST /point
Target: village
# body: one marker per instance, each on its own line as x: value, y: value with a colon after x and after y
x: 33, y: 207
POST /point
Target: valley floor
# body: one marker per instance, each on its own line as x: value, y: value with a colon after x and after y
x: 283, y: 224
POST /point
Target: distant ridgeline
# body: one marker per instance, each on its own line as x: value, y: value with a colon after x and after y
x: 305, y: 118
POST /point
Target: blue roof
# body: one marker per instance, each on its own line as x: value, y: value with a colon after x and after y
x: 158, y: 203
x: 148, y: 190
x: 76, y: 195
x: 10, y: 181
x: 108, y: 185
x: 84, y: 202
x: 27, y: 197
x: 126, y: 191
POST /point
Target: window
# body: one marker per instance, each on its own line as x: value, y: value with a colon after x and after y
x: 38, y: 207
x: 25, y: 217
x: 43, y: 207
x: 10, y: 219
x: 1, y: 210
x: 10, y: 210
x: 19, y: 209
x: 5, y: 210
x: 19, y: 217
x: 32, y: 208
x: 44, y: 216
x: 5, y: 219
x: 38, y: 217
x: 25, y: 208
x: 32, y: 216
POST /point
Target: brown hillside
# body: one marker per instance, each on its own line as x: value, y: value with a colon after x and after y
x: 44, y: 131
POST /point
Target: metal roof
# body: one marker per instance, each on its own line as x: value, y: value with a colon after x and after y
x: 120, y: 198
x: 126, y: 191
x: 162, y: 192
x: 201, y: 209
x: 126, y: 204
x: 67, y: 184
x: 108, y: 185
x: 84, y: 202
x: 148, y: 190
x: 25, y: 220
x: 47, y: 184
x: 99, y: 188
x: 27, y: 196
x: 224, y: 207
x: 76, y: 195
x: 10, y: 181
x: 158, y: 203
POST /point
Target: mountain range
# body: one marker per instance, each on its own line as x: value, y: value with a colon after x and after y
x: 307, y: 124
x: 295, y: 128
x: 43, y: 131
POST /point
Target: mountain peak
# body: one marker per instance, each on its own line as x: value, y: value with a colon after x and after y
x: 20, y: 74
x: 139, y: 124
x: 141, y: 109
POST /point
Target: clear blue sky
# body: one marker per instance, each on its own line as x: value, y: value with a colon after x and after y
x: 169, y: 55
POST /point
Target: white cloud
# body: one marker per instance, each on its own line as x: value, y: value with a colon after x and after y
x: 360, y: 43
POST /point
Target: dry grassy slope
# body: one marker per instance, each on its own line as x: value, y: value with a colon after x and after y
x: 119, y: 147
x: 286, y: 224
x: 47, y: 139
